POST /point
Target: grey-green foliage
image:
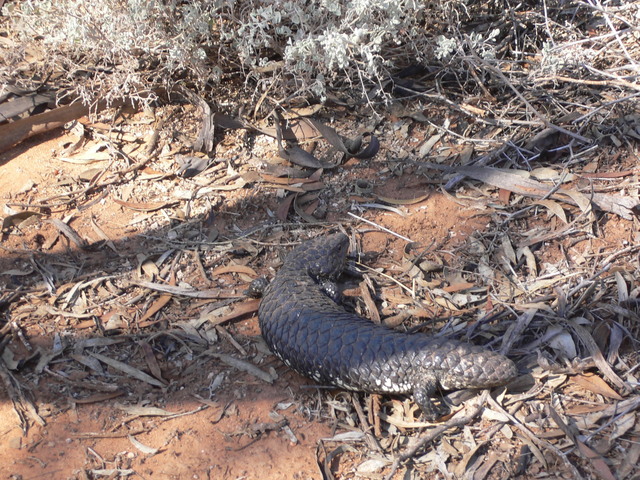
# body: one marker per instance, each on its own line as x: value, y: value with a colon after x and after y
x: 322, y: 40
x: 314, y: 43
x: 118, y: 40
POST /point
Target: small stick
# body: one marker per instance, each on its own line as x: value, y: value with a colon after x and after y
x: 366, y: 427
x: 435, y: 433
x: 537, y: 113
x: 380, y: 227
x: 535, y: 439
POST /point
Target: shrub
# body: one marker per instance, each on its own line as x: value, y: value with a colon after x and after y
x: 134, y: 48
x: 126, y: 47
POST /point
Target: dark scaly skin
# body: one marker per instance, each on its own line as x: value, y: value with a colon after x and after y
x: 316, y: 337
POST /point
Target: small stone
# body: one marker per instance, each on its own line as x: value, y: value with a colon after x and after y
x: 27, y: 186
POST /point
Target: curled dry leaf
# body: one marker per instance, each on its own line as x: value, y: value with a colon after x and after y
x: 129, y: 370
x: 300, y: 211
x: 587, y: 340
x: 68, y: 232
x: 151, y: 174
x: 288, y: 180
x: 111, y: 472
x: 382, y: 207
x: 529, y: 258
x: 623, y: 424
x: 426, y: 147
x: 143, y: 448
x: 243, y: 365
x: 151, y: 360
x: 555, y: 208
x: 147, y: 267
x: 507, y: 250
x: 372, y: 465
x: 312, y: 186
x: 15, y: 132
x: 372, y: 309
x: 402, y: 423
x: 235, y: 269
x: 145, y: 411
x: 189, y: 292
x: 289, y: 188
x: 595, y: 384
x: 96, y: 228
x: 18, y: 219
x: 24, y: 103
x: 97, y: 152
x: 510, y: 180
x: 284, y: 207
x: 561, y: 341
x: 98, y: 397
x: 353, y: 436
x: 245, y: 308
x: 145, y: 207
x: 403, y: 201
x: 90, y: 175
x: 598, y: 462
